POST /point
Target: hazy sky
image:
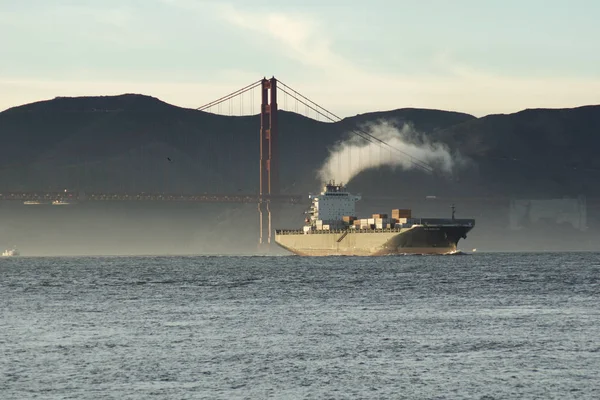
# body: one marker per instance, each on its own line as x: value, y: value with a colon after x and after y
x: 476, y: 56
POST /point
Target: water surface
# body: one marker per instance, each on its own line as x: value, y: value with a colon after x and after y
x: 482, y: 326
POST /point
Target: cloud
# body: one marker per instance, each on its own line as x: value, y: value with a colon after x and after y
x: 352, y: 89
x: 118, y: 26
x: 59, y: 14
x: 306, y: 58
x: 298, y: 36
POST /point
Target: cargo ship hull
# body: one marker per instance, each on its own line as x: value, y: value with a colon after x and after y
x: 421, y: 239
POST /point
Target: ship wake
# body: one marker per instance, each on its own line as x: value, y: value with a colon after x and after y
x: 450, y: 253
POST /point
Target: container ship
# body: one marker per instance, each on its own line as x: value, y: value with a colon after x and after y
x: 332, y: 229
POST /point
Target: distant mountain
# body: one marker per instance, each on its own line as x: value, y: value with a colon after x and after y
x: 547, y: 152
x: 133, y: 143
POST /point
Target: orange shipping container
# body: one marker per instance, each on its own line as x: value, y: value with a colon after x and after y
x: 401, y: 213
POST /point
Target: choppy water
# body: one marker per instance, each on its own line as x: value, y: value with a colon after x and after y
x: 485, y: 326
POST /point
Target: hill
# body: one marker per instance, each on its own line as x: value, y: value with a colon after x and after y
x: 535, y: 152
x: 138, y: 143
x: 124, y: 143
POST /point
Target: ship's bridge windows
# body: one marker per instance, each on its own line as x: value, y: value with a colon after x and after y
x: 337, y: 194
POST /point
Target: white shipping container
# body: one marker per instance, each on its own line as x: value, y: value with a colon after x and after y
x: 371, y: 221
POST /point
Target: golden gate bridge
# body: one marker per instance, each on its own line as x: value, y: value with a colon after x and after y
x: 269, y: 188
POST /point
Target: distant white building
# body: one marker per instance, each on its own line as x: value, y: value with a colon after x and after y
x: 566, y: 210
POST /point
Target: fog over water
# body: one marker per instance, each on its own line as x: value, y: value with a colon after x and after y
x: 144, y: 228
x: 104, y: 228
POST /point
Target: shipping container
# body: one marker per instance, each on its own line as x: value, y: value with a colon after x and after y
x: 401, y: 213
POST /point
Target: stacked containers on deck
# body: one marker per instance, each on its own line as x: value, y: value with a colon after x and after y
x: 381, y: 221
x: 380, y: 224
x: 348, y: 219
x: 401, y: 216
x: 401, y: 213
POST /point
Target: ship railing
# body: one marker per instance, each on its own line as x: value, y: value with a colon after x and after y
x: 329, y: 231
x: 468, y: 222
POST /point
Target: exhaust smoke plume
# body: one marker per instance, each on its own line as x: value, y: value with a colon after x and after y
x: 354, y: 155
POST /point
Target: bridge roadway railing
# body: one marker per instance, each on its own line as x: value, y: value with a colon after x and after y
x: 414, y: 222
x: 204, y: 197
x: 51, y: 196
x: 200, y: 198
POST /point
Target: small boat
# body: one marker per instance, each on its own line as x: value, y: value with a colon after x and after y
x: 62, y: 202
x: 11, y: 252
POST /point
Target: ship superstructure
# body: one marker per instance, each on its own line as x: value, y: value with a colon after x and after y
x: 332, y: 228
x: 331, y: 207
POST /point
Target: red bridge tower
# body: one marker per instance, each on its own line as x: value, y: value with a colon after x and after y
x: 269, y: 157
